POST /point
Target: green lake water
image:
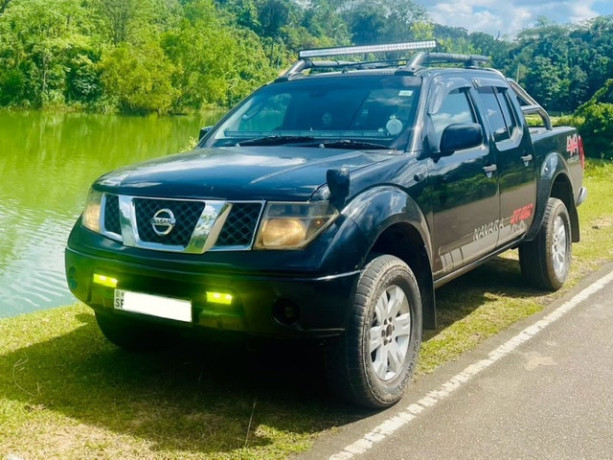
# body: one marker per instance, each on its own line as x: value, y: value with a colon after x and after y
x: 47, y: 163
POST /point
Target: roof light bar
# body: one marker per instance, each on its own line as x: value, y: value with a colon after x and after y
x: 346, y: 50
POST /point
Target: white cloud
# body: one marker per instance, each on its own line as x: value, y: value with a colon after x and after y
x: 510, y: 17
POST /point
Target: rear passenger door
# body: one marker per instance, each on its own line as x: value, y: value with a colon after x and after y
x: 464, y: 185
x: 514, y: 160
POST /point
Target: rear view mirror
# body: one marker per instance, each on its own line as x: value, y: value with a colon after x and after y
x: 460, y: 136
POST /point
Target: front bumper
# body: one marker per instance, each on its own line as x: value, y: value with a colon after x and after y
x: 318, y: 306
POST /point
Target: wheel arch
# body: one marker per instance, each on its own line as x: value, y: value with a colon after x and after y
x: 563, y: 190
x: 554, y: 182
x: 402, y: 240
x: 394, y: 224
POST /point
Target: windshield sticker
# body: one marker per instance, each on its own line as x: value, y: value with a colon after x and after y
x: 405, y: 93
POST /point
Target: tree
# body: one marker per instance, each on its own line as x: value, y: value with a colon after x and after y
x: 212, y: 57
x: 39, y: 39
x: 139, y: 79
x: 376, y: 21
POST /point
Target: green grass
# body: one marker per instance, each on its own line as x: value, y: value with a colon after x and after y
x: 66, y: 393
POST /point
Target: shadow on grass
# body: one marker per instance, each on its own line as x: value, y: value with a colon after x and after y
x: 465, y: 294
x: 196, y: 397
x: 200, y: 396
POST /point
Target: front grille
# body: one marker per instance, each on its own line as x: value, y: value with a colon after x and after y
x: 237, y: 232
x: 186, y: 214
x: 240, y: 225
x: 111, y: 214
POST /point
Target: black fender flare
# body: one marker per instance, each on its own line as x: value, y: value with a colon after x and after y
x: 379, y: 208
x: 553, y: 167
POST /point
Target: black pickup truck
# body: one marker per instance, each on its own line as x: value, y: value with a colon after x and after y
x: 330, y: 204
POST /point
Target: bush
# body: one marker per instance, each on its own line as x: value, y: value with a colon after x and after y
x: 597, y: 130
x: 594, y: 119
x: 139, y: 78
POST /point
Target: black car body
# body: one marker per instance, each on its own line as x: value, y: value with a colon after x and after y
x: 270, y: 224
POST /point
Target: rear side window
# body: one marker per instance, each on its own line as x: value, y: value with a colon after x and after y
x: 499, y: 112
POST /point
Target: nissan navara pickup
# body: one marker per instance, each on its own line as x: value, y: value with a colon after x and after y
x: 329, y: 205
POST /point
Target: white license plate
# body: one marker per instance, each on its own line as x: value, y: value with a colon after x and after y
x: 153, y: 305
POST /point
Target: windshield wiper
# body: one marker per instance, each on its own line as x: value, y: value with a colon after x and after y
x: 275, y: 140
x: 352, y: 144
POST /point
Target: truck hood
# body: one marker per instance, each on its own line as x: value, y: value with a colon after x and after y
x: 239, y: 173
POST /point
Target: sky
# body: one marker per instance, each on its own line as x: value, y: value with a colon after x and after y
x: 508, y: 17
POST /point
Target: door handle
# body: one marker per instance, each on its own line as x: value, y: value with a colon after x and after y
x: 526, y: 159
x: 489, y: 170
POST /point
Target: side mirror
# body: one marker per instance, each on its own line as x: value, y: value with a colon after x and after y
x: 338, y: 183
x: 460, y: 136
x: 203, y: 132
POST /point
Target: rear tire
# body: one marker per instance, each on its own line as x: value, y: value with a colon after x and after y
x: 545, y: 261
x: 131, y: 334
x: 372, y: 363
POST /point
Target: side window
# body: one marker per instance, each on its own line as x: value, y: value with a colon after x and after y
x: 493, y: 112
x: 499, y: 112
x: 507, y: 111
x: 455, y: 108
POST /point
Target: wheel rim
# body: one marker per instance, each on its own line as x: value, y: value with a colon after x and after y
x: 559, y: 248
x: 389, y: 333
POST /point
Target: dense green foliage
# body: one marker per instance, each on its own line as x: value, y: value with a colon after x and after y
x: 180, y: 55
x: 595, y: 122
x: 135, y: 56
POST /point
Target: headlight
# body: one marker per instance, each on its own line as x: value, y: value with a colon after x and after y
x: 91, y: 214
x: 293, y: 225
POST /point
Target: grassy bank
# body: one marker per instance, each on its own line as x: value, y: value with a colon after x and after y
x: 67, y: 393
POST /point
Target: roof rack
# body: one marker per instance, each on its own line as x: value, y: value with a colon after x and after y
x: 410, y: 66
x: 422, y: 59
x: 305, y: 62
x: 385, y: 48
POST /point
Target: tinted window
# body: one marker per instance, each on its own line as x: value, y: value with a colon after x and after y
x: 493, y: 112
x: 499, y: 112
x: 507, y: 110
x: 456, y: 108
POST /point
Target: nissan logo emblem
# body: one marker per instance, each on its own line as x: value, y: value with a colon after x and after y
x: 163, y: 222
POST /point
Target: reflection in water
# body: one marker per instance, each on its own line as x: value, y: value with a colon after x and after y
x: 47, y: 163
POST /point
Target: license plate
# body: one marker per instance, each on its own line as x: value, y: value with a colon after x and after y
x: 153, y: 305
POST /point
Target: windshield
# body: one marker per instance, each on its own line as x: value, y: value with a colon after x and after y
x: 367, y: 112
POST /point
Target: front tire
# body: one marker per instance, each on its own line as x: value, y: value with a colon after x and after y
x: 545, y: 261
x: 372, y: 363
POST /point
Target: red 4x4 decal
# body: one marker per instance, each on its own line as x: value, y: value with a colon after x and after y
x: 572, y: 144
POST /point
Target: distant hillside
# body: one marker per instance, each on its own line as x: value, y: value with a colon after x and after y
x: 138, y: 56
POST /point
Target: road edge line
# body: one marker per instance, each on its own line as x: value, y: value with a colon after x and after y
x: 412, y: 411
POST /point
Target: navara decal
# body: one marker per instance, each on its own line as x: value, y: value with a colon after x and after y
x: 517, y: 222
x: 488, y: 229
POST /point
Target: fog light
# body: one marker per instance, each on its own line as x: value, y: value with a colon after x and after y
x: 222, y: 298
x: 286, y: 312
x: 104, y: 280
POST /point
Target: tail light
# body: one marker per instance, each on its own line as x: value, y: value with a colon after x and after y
x: 581, y: 153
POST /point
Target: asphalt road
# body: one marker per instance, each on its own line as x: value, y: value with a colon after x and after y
x: 543, y: 389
